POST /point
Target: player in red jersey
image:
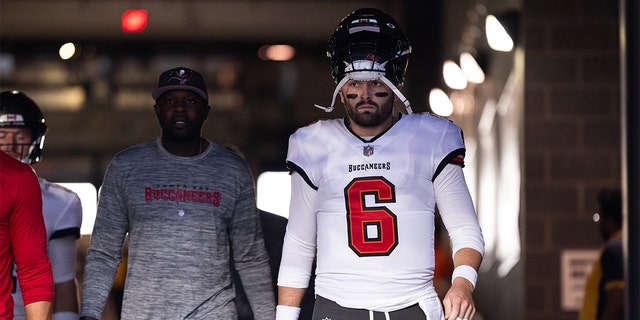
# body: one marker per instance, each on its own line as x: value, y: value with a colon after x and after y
x: 23, y: 239
x: 22, y: 133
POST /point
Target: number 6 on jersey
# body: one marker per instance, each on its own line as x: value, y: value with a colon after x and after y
x: 372, y: 229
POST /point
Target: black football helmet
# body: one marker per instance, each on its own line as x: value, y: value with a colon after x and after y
x: 18, y: 110
x: 368, y: 45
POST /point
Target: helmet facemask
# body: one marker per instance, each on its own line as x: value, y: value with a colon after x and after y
x: 26, y: 151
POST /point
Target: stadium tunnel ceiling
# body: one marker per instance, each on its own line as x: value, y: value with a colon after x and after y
x: 225, y: 20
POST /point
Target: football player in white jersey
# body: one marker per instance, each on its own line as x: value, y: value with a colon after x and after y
x: 22, y: 132
x: 364, y: 191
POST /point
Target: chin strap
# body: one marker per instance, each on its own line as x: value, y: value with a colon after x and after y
x: 384, y: 79
x: 335, y: 93
x: 398, y: 94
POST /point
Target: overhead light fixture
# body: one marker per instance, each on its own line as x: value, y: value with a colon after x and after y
x: 502, y: 30
x: 453, y: 75
x: 276, y: 52
x: 471, y: 68
x: 67, y: 51
x: 440, y: 103
x: 134, y: 20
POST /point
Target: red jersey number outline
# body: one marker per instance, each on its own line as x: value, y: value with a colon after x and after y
x: 373, y: 230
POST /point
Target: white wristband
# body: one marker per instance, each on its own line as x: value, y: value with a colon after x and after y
x: 287, y: 312
x: 65, y: 315
x: 467, y: 272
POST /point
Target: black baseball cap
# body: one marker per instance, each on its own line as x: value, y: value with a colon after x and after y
x: 181, y: 78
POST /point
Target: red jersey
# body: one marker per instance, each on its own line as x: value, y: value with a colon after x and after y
x: 22, y: 236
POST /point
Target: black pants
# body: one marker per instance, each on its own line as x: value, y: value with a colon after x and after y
x: 326, y: 309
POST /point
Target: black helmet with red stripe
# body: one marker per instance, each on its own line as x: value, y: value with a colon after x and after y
x: 369, y: 42
x: 17, y: 110
x: 368, y: 45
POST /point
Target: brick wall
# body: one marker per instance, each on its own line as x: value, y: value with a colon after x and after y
x: 571, y: 136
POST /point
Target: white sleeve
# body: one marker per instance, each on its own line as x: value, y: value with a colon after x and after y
x: 62, y: 253
x: 71, y: 217
x: 299, y: 248
x: 457, y: 211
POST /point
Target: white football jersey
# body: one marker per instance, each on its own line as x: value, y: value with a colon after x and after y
x: 62, y: 212
x: 375, y: 206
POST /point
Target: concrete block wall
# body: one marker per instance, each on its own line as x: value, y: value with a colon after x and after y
x: 571, y: 136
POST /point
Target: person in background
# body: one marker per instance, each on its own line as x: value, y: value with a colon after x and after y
x: 273, y: 227
x: 364, y: 191
x: 22, y: 133
x: 23, y: 240
x: 188, y: 206
x: 604, y: 290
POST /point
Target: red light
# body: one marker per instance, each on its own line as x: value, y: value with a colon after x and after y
x: 134, y: 20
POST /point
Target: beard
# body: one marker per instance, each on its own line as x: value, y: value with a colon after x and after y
x: 370, y: 119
